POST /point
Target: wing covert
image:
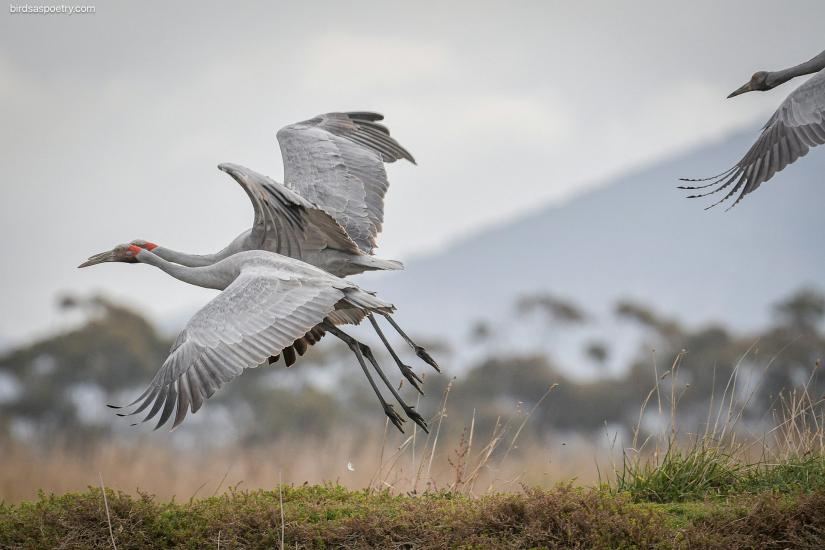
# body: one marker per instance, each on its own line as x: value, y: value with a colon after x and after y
x: 336, y: 161
x: 258, y: 315
x: 285, y: 222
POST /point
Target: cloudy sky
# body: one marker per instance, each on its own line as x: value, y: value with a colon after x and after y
x: 113, y: 122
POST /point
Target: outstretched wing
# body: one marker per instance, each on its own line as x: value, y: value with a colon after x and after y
x: 285, y: 222
x: 337, y: 161
x: 796, y: 127
x: 258, y: 315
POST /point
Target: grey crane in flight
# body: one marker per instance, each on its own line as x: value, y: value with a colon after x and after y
x: 330, y: 208
x: 796, y: 127
x: 268, y: 304
x: 287, y: 224
x: 338, y: 160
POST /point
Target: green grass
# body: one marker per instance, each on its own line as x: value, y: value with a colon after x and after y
x: 707, y: 472
x: 333, y: 517
x: 680, y: 476
x: 798, y: 474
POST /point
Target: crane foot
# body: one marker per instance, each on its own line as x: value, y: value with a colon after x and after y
x: 422, y: 353
x: 417, y: 418
x: 394, y: 417
x: 411, y: 377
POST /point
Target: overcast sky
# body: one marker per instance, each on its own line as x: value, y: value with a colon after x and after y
x: 113, y: 122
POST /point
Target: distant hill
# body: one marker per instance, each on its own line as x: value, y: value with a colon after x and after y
x: 633, y: 237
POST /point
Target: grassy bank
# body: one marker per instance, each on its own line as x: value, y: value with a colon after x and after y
x: 724, y: 487
x: 331, y: 516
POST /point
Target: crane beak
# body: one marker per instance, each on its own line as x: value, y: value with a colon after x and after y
x: 99, y: 259
x: 746, y: 88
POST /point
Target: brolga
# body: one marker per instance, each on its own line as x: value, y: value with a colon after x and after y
x: 330, y: 208
x: 796, y: 127
x: 269, y: 304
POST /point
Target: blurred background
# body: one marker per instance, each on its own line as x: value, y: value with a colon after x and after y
x: 543, y: 237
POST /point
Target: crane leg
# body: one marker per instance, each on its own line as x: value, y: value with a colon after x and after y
x: 355, y: 346
x: 419, y: 351
x: 408, y: 410
x: 408, y: 373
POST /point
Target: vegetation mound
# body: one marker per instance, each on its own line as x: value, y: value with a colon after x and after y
x: 333, y: 517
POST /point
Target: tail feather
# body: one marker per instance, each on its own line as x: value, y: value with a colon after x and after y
x: 367, y: 300
x: 371, y: 263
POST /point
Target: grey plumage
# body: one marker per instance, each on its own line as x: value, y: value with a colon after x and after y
x: 796, y: 127
x: 270, y: 304
x: 258, y: 313
x: 331, y: 207
x: 280, y: 279
x: 287, y: 223
x: 285, y: 220
x: 336, y: 161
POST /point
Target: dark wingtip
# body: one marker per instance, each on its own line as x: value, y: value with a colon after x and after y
x: 365, y: 115
x: 113, y: 406
x: 737, y: 201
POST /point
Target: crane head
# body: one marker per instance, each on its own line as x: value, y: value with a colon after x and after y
x: 121, y: 253
x: 144, y: 244
x: 758, y: 82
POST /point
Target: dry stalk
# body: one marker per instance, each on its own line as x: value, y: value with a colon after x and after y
x: 108, y: 516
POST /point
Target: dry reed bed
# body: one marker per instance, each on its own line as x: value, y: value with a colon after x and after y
x: 402, y: 463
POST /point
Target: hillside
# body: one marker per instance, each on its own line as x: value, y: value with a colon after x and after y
x: 633, y: 237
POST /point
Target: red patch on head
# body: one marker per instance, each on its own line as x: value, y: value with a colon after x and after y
x: 135, y: 250
x: 150, y: 246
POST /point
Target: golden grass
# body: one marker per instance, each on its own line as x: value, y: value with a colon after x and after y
x: 473, y: 463
x: 403, y: 463
x: 183, y: 474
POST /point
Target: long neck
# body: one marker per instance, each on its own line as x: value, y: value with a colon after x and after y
x: 238, y: 244
x: 813, y: 65
x: 207, y: 277
x: 185, y: 259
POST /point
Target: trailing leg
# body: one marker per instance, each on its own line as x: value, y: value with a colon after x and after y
x: 354, y: 345
x: 408, y: 373
x: 419, y: 351
x: 408, y: 410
